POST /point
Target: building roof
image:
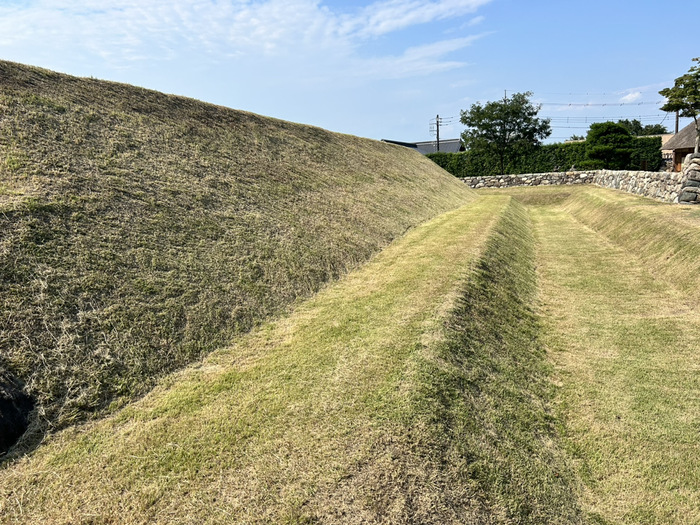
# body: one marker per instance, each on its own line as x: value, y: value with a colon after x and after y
x: 684, y: 139
x: 411, y: 145
x: 446, y: 146
x: 430, y: 146
x: 665, y: 137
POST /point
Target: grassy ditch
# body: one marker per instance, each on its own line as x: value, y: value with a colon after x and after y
x: 625, y: 347
x: 620, y: 323
x: 414, y: 390
x: 488, y: 391
x: 140, y: 231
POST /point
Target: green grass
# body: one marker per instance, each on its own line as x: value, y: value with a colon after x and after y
x: 665, y: 238
x: 487, y: 390
x: 529, y: 357
x: 414, y: 390
x: 622, y: 334
x: 140, y: 231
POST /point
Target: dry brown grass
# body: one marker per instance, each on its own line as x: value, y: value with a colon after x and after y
x: 307, y: 419
x: 139, y: 231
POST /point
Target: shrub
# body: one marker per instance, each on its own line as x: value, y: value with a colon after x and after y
x: 609, y: 143
x: 646, y: 154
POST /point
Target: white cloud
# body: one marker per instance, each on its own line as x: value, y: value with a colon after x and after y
x: 419, y: 60
x: 631, y: 97
x: 476, y: 21
x: 300, y: 60
x: 391, y: 15
x: 121, y: 31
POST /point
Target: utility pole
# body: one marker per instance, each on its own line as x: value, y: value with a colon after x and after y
x: 437, y: 124
x: 676, y: 121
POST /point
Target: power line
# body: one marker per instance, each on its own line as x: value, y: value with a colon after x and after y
x: 434, y: 126
x: 582, y: 117
x: 599, y: 104
x: 586, y: 94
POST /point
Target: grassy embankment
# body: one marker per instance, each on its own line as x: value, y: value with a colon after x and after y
x: 618, y: 276
x: 414, y: 390
x: 139, y: 231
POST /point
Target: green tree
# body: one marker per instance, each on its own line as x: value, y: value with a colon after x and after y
x: 684, y: 97
x: 653, y: 129
x: 636, y: 128
x: 504, y: 130
x: 609, y: 145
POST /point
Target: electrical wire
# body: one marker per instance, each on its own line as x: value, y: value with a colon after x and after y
x: 599, y: 104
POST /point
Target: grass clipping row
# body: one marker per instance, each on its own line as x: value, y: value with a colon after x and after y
x: 486, y: 401
x: 479, y: 441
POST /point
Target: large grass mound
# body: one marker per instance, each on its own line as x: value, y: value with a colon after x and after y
x: 139, y: 231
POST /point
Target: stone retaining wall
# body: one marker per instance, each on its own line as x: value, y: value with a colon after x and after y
x: 663, y: 186
x: 691, y: 179
x: 660, y: 185
x: 531, y: 179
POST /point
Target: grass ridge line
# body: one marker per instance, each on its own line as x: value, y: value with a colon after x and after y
x: 487, y: 389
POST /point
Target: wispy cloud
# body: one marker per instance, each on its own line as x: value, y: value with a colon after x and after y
x: 386, y: 16
x: 419, y: 60
x: 121, y: 31
x: 649, y: 91
x: 631, y: 97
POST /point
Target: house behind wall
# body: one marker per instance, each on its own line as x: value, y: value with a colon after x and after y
x: 680, y: 145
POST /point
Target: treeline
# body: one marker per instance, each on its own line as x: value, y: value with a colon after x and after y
x: 641, y: 153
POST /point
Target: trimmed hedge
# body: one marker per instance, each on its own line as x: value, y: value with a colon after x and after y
x: 647, y: 154
x: 548, y: 158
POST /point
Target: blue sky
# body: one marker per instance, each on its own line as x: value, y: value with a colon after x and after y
x: 378, y: 69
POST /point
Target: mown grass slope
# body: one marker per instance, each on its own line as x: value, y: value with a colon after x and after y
x: 396, y: 395
x: 665, y: 238
x: 625, y: 344
x: 139, y: 231
x: 618, y: 281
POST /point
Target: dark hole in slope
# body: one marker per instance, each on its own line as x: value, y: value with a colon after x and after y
x: 15, y: 409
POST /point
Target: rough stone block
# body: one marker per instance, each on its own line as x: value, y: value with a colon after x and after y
x: 688, y: 197
x: 693, y: 174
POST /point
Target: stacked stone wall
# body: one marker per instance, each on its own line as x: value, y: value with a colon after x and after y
x: 660, y: 185
x: 663, y: 186
x: 691, y: 179
x: 531, y: 179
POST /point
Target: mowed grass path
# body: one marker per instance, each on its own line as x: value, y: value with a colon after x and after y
x: 267, y: 430
x: 626, y: 350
